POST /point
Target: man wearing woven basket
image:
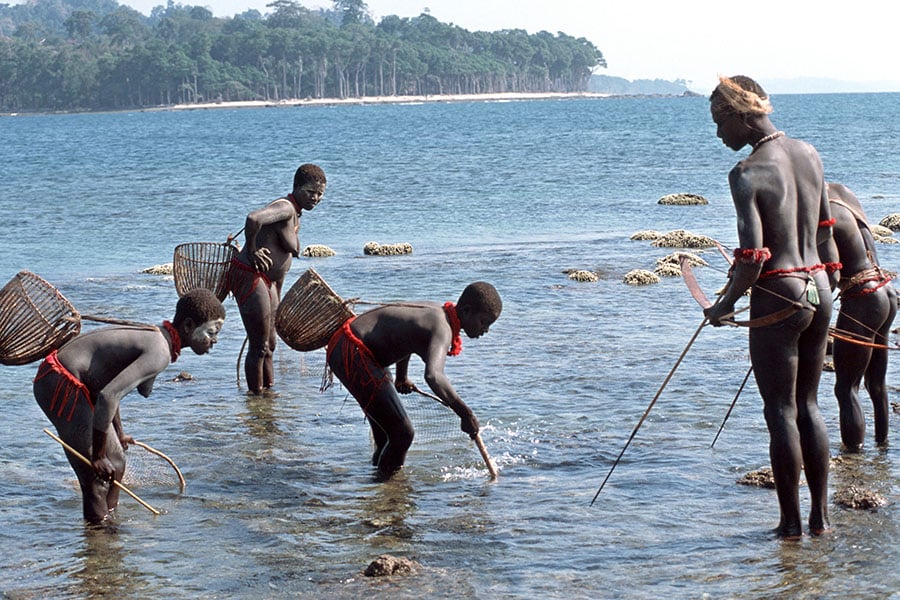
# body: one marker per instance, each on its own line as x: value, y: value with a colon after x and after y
x: 79, y: 387
x: 257, y: 273
x: 362, y: 350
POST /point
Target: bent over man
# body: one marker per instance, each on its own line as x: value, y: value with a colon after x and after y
x: 362, y: 350
x: 79, y: 387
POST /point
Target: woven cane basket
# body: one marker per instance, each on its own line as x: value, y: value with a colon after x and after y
x: 202, y: 265
x: 35, y: 318
x: 310, y: 313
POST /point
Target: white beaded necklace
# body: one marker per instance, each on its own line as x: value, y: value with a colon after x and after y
x: 768, y: 138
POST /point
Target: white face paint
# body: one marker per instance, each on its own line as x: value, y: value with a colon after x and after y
x: 207, y: 334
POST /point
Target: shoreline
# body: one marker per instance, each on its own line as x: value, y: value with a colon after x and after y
x: 496, y: 97
x: 354, y: 101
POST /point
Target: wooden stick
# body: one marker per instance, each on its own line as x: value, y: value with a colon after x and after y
x: 486, y: 457
x: 652, y: 402
x: 730, y: 408
x: 80, y: 457
x: 237, y: 367
x: 153, y: 450
x: 492, y: 469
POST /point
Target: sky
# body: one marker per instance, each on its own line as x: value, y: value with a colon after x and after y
x: 852, y: 46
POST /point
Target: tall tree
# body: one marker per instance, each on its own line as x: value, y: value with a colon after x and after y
x: 353, y: 12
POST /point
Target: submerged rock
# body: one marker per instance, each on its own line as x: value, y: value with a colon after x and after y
x: 859, y: 498
x: 891, y: 221
x: 682, y: 199
x: 681, y: 238
x: 641, y: 277
x: 760, y: 478
x: 376, y: 249
x: 386, y: 565
x: 583, y: 275
x: 163, y: 269
x: 317, y: 251
x: 881, y: 231
x: 646, y: 235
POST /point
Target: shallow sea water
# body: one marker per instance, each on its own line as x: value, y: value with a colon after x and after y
x: 281, y: 501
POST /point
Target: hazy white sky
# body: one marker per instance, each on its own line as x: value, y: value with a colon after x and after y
x: 693, y: 40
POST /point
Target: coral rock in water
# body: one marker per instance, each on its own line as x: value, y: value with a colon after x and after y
x: 641, y: 277
x: 386, y: 565
x: 376, y: 249
x: 667, y: 270
x: 670, y: 265
x: 681, y: 238
x: 881, y: 230
x: 646, y: 235
x: 582, y: 275
x: 856, y: 497
x: 891, y: 221
x: 317, y: 250
x: 761, y: 478
x: 682, y: 199
x: 163, y: 269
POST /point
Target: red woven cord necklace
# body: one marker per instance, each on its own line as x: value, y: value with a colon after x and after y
x: 456, y: 344
x: 176, y: 340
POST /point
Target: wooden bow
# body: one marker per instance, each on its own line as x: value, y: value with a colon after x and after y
x: 694, y: 288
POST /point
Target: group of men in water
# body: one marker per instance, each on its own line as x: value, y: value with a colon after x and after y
x: 80, y: 385
x: 799, y: 240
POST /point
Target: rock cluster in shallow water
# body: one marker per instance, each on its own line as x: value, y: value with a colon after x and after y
x: 376, y: 249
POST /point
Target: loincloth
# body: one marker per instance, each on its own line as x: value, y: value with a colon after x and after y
x: 857, y: 284
x: 67, y: 388
x: 800, y: 272
x: 242, y: 280
x: 362, y: 374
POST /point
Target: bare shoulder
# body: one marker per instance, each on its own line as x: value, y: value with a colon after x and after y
x: 111, y: 349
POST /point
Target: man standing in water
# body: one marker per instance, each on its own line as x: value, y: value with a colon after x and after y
x: 868, y: 308
x: 80, y: 385
x: 361, y: 351
x: 257, y: 273
x: 783, y: 218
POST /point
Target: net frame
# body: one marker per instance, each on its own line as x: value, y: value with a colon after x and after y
x: 310, y: 312
x: 35, y: 319
x: 203, y: 265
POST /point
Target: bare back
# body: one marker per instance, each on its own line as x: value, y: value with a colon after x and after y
x: 779, y: 194
x: 394, y: 332
x: 113, y: 361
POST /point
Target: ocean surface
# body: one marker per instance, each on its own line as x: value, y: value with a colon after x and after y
x: 281, y: 500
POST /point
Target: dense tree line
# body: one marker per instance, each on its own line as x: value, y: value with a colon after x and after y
x: 97, y: 54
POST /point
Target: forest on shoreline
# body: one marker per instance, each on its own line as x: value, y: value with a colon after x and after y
x: 66, y: 55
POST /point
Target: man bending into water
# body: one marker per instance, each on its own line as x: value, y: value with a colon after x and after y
x: 79, y: 387
x: 363, y: 349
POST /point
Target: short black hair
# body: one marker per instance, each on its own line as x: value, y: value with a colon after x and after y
x: 308, y: 173
x: 200, y: 305
x: 481, y: 296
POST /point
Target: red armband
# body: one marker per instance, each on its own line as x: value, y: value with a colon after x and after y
x: 752, y: 256
x: 828, y: 223
x: 831, y: 267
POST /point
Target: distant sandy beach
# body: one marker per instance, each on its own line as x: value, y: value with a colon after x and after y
x: 504, y: 97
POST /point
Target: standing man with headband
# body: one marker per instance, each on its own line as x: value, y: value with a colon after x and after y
x: 784, y: 230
